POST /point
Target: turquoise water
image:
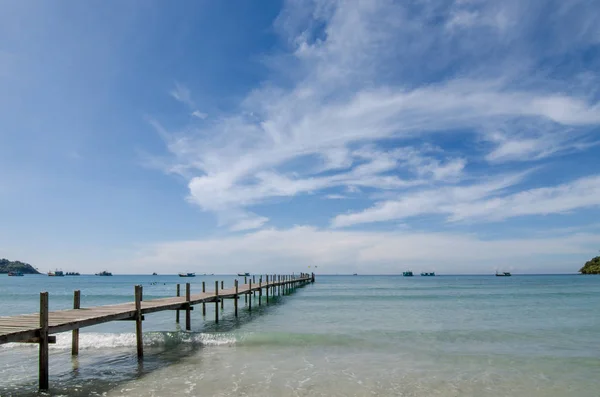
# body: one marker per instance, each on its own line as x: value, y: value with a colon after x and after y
x: 342, y: 336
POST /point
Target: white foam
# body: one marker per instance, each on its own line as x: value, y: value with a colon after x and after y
x: 95, y: 340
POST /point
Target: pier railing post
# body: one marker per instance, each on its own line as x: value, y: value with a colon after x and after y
x: 75, y: 333
x: 203, y: 304
x: 216, y: 302
x: 138, y: 321
x: 222, y: 300
x: 43, y: 358
x: 188, y: 307
x: 178, y: 295
x: 259, y: 290
x: 235, y: 299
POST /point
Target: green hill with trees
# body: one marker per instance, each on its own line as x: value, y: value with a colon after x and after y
x: 591, y: 267
x: 16, y: 266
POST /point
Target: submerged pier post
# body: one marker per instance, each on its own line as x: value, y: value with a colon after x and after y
x: 235, y: 299
x: 138, y: 321
x: 188, y: 307
x: 222, y: 300
x: 177, y: 311
x: 216, y: 302
x: 75, y: 333
x: 249, y: 294
x: 203, y: 304
x: 43, y: 358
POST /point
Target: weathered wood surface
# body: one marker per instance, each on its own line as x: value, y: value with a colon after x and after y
x: 23, y: 327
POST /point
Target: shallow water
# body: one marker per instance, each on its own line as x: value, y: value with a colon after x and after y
x: 342, y: 336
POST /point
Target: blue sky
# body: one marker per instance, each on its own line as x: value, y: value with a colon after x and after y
x: 460, y: 136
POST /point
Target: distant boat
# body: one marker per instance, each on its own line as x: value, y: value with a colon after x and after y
x: 503, y: 274
x: 243, y: 274
x: 57, y: 273
x: 15, y: 274
x: 72, y: 274
x: 407, y: 274
x: 425, y: 274
x: 187, y: 274
x: 154, y: 274
x: 355, y: 274
x: 104, y: 273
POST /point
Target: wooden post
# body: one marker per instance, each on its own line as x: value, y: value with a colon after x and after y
x: 138, y: 321
x: 222, y: 300
x: 245, y: 295
x: 267, y: 289
x: 75, y: 334
x: 203, y: 304
x: 43, y: 370
x: 250, y: 296
x: 188, y: 307
x: 216, y: 302
x: 235, y: 300
x: 254, y: 281
x: 259, y: 290
x: 178, y: 295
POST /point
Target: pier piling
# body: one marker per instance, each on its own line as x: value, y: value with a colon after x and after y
x: 188, y: 307
x: 235, y: 299
x: 177, y: 311
x: 43, y: 336
x: 75, y: 333
x: 216, y: 302
x: 203, y: 304
x: 138, y: 321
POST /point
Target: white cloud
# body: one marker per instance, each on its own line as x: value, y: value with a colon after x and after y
x: 482, y: 202
x: 199, y: 114
x: 275, y: 250
x: 182, y: 94
x: 358, y: 84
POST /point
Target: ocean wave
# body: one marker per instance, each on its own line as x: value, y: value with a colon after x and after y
x: 95, y: 340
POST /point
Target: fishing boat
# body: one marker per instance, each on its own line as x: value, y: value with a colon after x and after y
x: 426, y: 274
x: 15, y: 274
x: 72, y: 274
x: 243, y: 274
x: 503, y: 274
x: 407, y: 273
x: 104, y: 273
x: 56, y: 273
x: 154, y: 274
x: 187, y: 274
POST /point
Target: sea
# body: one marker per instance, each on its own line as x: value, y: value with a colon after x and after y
x: 341, y: 336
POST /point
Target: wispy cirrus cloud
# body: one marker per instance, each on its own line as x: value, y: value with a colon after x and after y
x: 183, y: 94
x: 482, y: 202
x: 373, y: 77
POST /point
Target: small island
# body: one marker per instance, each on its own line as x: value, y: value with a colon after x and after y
x: 16, y: 266
x: 591, y: 267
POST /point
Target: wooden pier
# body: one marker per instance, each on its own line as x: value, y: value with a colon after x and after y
x: 39, y: 327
